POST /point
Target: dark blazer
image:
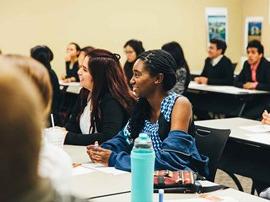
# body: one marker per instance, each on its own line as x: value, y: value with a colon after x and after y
x: 220, y: 74
x: 128, y: 71
x: 262, y: 75
x: 56, y: 95
x: 113, y: 119
x: 72, y: 72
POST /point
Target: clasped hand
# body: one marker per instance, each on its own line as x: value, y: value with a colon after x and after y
x: 98, y: 154
x: 201, y: 80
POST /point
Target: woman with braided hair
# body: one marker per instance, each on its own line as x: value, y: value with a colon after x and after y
x: 105, y: 101
x: 165, y: 116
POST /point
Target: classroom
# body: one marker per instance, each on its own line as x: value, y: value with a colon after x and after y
x: 137, y: 101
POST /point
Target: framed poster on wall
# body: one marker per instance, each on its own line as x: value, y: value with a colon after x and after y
x: 253, y: 29
x: 216, y: 21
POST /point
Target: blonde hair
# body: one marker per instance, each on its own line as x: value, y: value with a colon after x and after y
x: 37, y: 73
x: 20, y: 132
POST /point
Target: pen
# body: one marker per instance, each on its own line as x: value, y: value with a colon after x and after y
x: 160, y: 195
x: 74, y: 165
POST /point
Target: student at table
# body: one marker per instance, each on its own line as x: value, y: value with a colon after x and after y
x: 132, y: 48
x: 84, y: 51
x: 54, y: 163
x: 218, y: 68
x: 72, y: 65
x: 255, y: 75
x: 44, y: 55
x: 182, y: 70
x: 20, y: 145
x: 164, y: 116
x: 256, y: 69
x: 105, y: 101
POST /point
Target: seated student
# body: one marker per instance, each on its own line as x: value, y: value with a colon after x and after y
x: 72, y: 65
x: 182, y: 70
x: 84, y: 51
x: 54, y: 163
x: 255, y: 75
x: 164, y: 116
x: 132, y: 48
x: 218, y: 69
x: 44, y: 55
x: 256, y: 70
x: 20, y: 133
x: 105, y: 101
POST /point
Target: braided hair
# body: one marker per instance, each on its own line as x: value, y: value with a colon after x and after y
x: 155, y: 61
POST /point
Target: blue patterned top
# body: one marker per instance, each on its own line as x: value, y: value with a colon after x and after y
x: 151, y: 129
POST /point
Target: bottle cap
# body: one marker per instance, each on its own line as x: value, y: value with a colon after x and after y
x: 143, y: 142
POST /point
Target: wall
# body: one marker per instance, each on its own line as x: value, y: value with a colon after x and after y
x: 109, y: 24
x: 257, y: 8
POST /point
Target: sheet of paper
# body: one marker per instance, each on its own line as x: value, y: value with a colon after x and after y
x: 111, y: 170
x: 79, y: 170
x: 261, y: 128
x: 206, y: 183
x: 92, y: 165
x: 73, y: 89
x: 259, y: 137
x: 102, y: 168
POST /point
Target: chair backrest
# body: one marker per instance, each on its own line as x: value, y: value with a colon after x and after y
x: 211, y: 142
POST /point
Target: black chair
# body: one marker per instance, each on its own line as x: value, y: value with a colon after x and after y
x: 211, y: 142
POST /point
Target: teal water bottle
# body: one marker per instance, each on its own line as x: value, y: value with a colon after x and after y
x: 142, y: 169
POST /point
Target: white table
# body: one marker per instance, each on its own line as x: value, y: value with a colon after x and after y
x: 246, y: 153
x: 228, y: 100
x: 237, y: 195
x: 102, y: 187
x: 95, y: 184
x: 235, y: 124
x: 223, y: 89
x: 72, y: 87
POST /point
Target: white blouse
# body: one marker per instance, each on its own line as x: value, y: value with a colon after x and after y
x: 85, y: 119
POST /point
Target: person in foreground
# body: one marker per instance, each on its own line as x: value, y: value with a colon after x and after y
x: 54, y: 162
x: 20, y: 126
x: 164, y: 116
